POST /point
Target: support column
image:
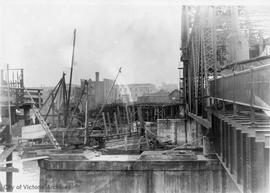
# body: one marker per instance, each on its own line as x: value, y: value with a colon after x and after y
x: 119, y: 117
x: 238, y: 155
x: 109, y: 121
x: 258, y: 177
x: 9, y: 175
x: 243, y: 161
x: 128, y: 120
x: 266, y: 163
x: 231, y: 148
x: 105, y: 126
x: 226, y: 144
x: 252, y: 181
x: 147, y: 115
x: 222, y: 141
x: 116, y: 123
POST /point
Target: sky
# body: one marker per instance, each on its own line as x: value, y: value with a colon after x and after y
x: 143, y: 38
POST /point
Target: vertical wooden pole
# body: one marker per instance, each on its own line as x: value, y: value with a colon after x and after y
x: 39, y: 99
x: 119, y: 117
x: 53, y: 109
x: 155, y: 113
x: 147, y: 115
x: 71, y: 71
x: 139, y: 109
x: 105, y: 126
x: 133, y: 113
x: 252, y: 111
x: 86, y: 114
x: 127, y: 116
x: 9, y: 158
x: 131, y: 117
x: 116, y: 123
x: 109, y: 121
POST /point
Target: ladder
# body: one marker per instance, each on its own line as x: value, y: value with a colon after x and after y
x: 43, y: 123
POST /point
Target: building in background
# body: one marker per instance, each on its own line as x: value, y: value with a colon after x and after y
x: 161, y: 96
x: 168, y: 87
x: 99, y: 92
x: 131, y: 92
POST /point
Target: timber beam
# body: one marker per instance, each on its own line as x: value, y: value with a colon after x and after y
x: 200, y: 120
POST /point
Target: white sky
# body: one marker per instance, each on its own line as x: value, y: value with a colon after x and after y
x: 142, y: 38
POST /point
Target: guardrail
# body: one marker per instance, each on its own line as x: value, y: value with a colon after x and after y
x: 249, y: 87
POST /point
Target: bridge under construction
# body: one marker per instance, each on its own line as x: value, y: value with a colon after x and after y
x: 214, y: 137
x: 226, y: 86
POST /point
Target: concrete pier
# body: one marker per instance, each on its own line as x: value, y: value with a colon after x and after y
x: 171, y: 129
x: 133, y: 173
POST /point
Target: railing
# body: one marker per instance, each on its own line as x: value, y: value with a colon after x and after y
x: 19, y: 95
x: 249, y: 87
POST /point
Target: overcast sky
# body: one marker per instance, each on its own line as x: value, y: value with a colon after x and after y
x: 142, y: 38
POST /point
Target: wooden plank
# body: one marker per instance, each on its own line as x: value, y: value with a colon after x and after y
x: 1, y: 187
x: 200, y: 120
x: 9, y: 169
x: 24, y: 160
x: 33, y: 132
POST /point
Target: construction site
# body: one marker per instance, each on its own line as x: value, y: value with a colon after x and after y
x: 211, y: 134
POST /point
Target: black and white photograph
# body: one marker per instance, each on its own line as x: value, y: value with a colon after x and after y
x: 135, y: 96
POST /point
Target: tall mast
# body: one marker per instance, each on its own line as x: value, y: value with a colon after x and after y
x: 71, y: 71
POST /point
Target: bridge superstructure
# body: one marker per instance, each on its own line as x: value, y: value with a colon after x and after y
x: 227, y: 90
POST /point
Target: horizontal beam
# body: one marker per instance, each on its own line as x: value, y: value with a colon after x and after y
x: 24, y: 160
x: 9, y: 169
x: 200, y: 120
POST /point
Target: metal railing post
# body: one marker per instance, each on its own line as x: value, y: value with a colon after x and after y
x: 252, y: 111
x: 234, y: 104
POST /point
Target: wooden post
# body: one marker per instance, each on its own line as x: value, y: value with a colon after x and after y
x: 119, y: 117
x: 252, y: 111
x: 155, y: 113
x: 128, y: 121
x: 115, y: 122
x: 105, y: 126
x: 39, y: 99
x: 131, y: 118
x: 139, y: 109
x: 147, y: 115
x: 133, y: 113
x: 86, y: 115
x: 9, y: 158
x: 109, y: 121
x: 53, y: 109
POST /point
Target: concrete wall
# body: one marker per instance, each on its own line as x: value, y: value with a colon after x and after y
x: 133, y: 176
x: 172, y: 129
